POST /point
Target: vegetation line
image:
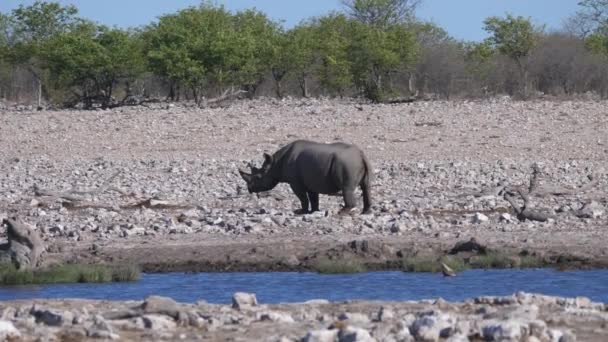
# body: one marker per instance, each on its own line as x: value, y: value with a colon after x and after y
x: 378, y: 50
x: 68, y: 273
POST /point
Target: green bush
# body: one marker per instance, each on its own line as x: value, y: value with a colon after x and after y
x: 328, y: 266
x: 68, y: 273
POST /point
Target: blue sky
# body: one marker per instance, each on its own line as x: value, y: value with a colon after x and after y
x: 461, y: 18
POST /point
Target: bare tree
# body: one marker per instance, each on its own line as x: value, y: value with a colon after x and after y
x: 592, y: 17
x: 381, y: 12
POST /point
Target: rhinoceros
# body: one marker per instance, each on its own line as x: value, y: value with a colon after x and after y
x: 313, y: 168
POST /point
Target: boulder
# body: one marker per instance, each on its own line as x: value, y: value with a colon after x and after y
x: 433, y: 326
x: 590, y: 210
x: 24, y: 248
x: 161, y: 305
x: 274, y: 316
x: 353, y: 334
x: 321, y: 336
x: 52, y: 317
x: 158, y: 322
x: 241, y: 300
x: 511, y: 330
x: 8, y: 331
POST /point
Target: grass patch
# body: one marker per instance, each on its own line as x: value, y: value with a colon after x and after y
x: 68, y: 273
x: 327, y: 266
x: 500, y: 260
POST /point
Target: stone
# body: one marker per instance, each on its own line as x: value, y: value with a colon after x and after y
x: 506, y: 217
x: 479, y: 218
x: 158, y: 322
x: 354, y: 318
x: 241, y: 300
x: 24, y: 247
x: 458, y: 338
x: 397, y: 227
x: 133, y: 324
x: 433, y: 326
x: 273, y: 316
x: 590, y: 210
x: 161, y: 305
x: 8, y: 331
x: 354, y: 334
x: 385, y: 314
x: 50, y: 317
x: 321, y: 336
x: 504, y: 331
x: 102, y: 334
x: 567, y: 336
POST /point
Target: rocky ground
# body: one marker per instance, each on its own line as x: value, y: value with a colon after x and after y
x: 520, y: 317
x: 159, y: 186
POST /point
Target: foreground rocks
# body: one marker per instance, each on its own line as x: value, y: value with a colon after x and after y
x: 520, y: 317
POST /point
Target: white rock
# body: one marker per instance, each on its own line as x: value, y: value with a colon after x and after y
x: 479, y: 218
x: 506, y: 217
x: 159, y: 322
x: 504, y: 331
x: 8, y: 331
x: 241, y: 300
x: 353, y: 334
x: 355, y: 318
x: 432, y: 327
x: 321, y: 336
x: 274, y: 316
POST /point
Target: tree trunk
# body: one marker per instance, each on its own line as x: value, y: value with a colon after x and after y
x: 304, y: 86
x: 410, y: 84
x: 39, y: 83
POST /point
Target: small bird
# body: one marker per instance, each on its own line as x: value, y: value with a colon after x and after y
x: 447, y: 271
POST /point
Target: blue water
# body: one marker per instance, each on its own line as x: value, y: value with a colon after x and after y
x: 298, y: 287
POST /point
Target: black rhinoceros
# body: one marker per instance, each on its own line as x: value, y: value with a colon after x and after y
x: 313, y: 168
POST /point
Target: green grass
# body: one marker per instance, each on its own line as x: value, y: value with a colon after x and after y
x: 327, y: 266
x: 68, y: 273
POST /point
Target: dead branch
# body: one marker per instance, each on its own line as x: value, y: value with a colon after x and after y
x: 561, y: 191
x: 227, y: 94
x: 79, y: 195
x: 525, y: 212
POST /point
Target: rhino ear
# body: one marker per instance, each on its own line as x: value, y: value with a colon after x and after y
x: 267, y: 159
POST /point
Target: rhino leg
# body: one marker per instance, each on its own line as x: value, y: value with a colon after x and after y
x: 314, y: 201
x: 367, y: 199
x: 302, y: 196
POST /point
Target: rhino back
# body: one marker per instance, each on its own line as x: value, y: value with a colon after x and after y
x: 323, y: 168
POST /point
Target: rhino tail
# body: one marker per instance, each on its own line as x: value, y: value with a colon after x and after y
x: 366, y: 184
x: 369, y: 172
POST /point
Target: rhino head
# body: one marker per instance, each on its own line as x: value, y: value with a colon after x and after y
x: 260, y: 179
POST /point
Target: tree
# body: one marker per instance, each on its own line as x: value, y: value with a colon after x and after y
x: 254, y: 49
x: 300, y: 51
x: 479, y: 60
x: 203, y: 47
x: 34, y: 25
x: 381, y: 12
x: 190, y: 48
x: 92, y: 60
x: 376, y: 54
x: 332, y: 38
x: 514, y: 37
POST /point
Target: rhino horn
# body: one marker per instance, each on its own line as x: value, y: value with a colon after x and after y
x: 246, y: 176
